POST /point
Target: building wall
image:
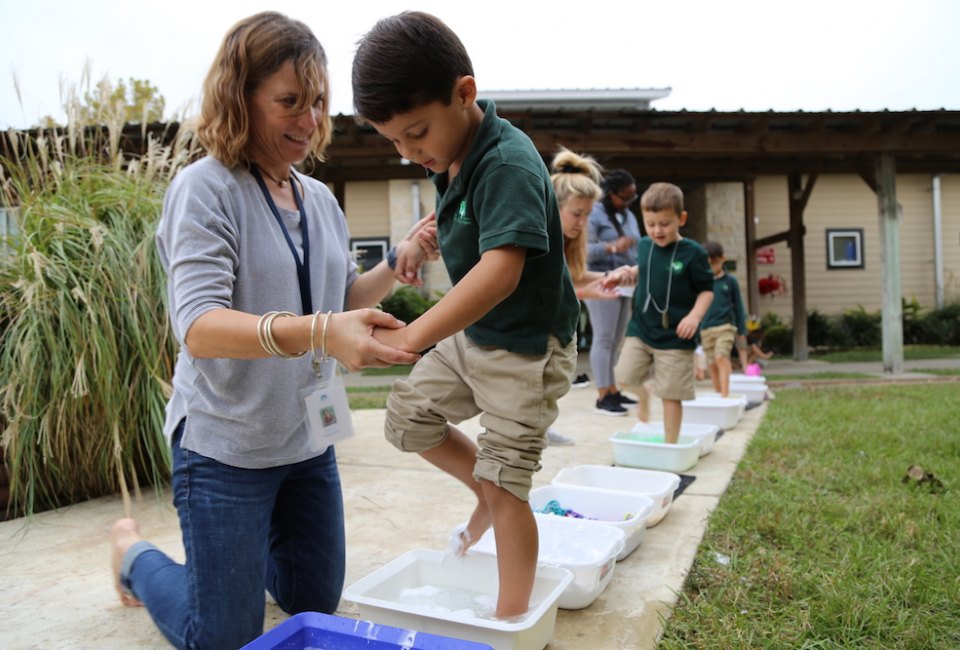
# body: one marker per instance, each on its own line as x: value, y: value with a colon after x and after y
x: 724, y: 216
x: 367, y: 207
x: 845, y: 201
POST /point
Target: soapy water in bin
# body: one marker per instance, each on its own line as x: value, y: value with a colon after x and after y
x: 450, y: 600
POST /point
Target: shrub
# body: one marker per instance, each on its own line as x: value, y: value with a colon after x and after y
x: 820, y: 331
x: 860, y: 328
x: 87, y: 352
x: 407, y: 303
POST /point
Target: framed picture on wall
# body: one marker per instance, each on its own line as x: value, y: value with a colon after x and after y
x: 368, y: 251
x: 844, y: 248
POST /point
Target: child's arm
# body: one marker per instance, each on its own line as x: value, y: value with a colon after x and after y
x: 687, y: 328
x: 488, y: 283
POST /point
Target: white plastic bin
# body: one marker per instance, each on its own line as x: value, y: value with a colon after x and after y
x: 707, y: 433
x: 722, y: 412
x: 380, y: 598
x: 755, y: 392
x: 588, y: 550
x: 649, y: 451
x: 741, y: 378
x: 624, y: 510
x: 655, y: 484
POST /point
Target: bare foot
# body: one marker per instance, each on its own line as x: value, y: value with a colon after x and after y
x: 123, y: 534
x: 479, y: 523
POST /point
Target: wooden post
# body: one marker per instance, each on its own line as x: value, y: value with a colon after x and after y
x: 750, y: 229
x: 798, y: 197
x: 886, y: 177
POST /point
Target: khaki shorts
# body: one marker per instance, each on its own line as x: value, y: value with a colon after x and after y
x: 718, y: 341
x: 516, y: 395
x: 673, y: 369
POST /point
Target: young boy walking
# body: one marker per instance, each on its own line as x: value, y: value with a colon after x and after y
x: 506, y: 331
x: 725, y: 322
x: 674, y: 287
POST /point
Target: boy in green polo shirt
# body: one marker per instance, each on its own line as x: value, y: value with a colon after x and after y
x: 505, y: 332
x: 724, y: 323
x: 674, y: 288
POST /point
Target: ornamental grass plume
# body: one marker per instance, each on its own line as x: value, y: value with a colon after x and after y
x: 86, y: 352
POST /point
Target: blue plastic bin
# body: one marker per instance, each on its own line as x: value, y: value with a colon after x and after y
x: 322, y: 631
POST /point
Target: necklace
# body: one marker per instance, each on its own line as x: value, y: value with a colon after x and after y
x: 664, y: 319
x: 281, y: 182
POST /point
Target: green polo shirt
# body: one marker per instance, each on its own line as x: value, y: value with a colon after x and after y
x: 727, y: 305
x: 691, y: 275
x: 503, y: 197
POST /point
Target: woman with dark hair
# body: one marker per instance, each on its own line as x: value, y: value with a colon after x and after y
x: 264, y: 299
x: 612, y: 234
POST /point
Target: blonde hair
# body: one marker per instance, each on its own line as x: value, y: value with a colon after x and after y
x: 575, y: 176
x: 662, y: 196
x: 252, y: 50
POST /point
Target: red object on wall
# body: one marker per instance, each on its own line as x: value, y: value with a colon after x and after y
x: 766, y: 255
x: 772, y: 285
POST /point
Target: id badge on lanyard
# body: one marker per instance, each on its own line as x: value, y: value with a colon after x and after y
x: 328, y: 413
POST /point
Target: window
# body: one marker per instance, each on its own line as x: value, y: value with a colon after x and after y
x: 845, y: 248
x: 368, y: 251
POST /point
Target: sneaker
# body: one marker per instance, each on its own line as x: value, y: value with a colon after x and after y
x: 582, y: 381
x: 623, y: 399
x: 557, y: 439
x: 609, y: 406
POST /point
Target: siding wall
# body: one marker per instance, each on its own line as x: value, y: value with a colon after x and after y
x: 841, y: 201
x: 368, y: 208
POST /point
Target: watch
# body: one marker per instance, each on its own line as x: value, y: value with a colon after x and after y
x: 392, y: 258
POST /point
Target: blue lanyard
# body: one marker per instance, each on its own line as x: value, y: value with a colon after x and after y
x: 303, y: 268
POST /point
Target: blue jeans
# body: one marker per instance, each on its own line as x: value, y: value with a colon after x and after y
x: 244, y: 530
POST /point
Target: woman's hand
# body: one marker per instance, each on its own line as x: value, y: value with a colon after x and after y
x: 597, y: 291
x: 350, y: 340
x: 417, y: 246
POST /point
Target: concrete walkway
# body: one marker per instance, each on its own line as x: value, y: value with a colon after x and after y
x: 56, y: 588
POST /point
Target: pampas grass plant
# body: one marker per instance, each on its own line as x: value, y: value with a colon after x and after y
x: 86, y: 352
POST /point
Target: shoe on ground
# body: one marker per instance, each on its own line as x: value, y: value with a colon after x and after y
x: 609, y: 405
x: 623, y: 399
x: 582, y: 381
x: 557, y: 439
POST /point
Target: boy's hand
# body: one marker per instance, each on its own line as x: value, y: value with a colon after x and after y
x: 687, y: 327
x: 350, y: 342
x: 625, y: 276
x: 418, y: 246
x: 394, y: 338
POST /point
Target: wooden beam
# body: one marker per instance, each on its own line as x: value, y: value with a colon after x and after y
x: 886, y: 175
x: 750, y: 230
x: 770, y: 240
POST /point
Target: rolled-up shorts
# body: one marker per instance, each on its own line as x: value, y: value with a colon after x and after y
x: 672, y: 369
x: 718, y: 341
x: 516, y: 395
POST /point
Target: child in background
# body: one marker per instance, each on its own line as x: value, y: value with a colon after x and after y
x: 725, y: 322
x: 674, y: 288
x: 506, y: 330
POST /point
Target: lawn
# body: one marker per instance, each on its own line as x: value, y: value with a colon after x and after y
x: 818, y: 543
x: 910, y: 353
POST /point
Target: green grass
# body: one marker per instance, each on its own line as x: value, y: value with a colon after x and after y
x: 367, y: 397
x: 827, y: 547
x: 392, y: 370
x: 910, y: 353
x: 945, y: 372
x: 819, y: 375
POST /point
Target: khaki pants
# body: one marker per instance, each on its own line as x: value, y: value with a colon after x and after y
x: 718, y: 341
x: 515, y: 393
x: 672, y: 369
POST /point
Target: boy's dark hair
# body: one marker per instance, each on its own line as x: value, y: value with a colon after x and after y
x: 404, y: 62
x: 714, y: 249
x: 662, y: 196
